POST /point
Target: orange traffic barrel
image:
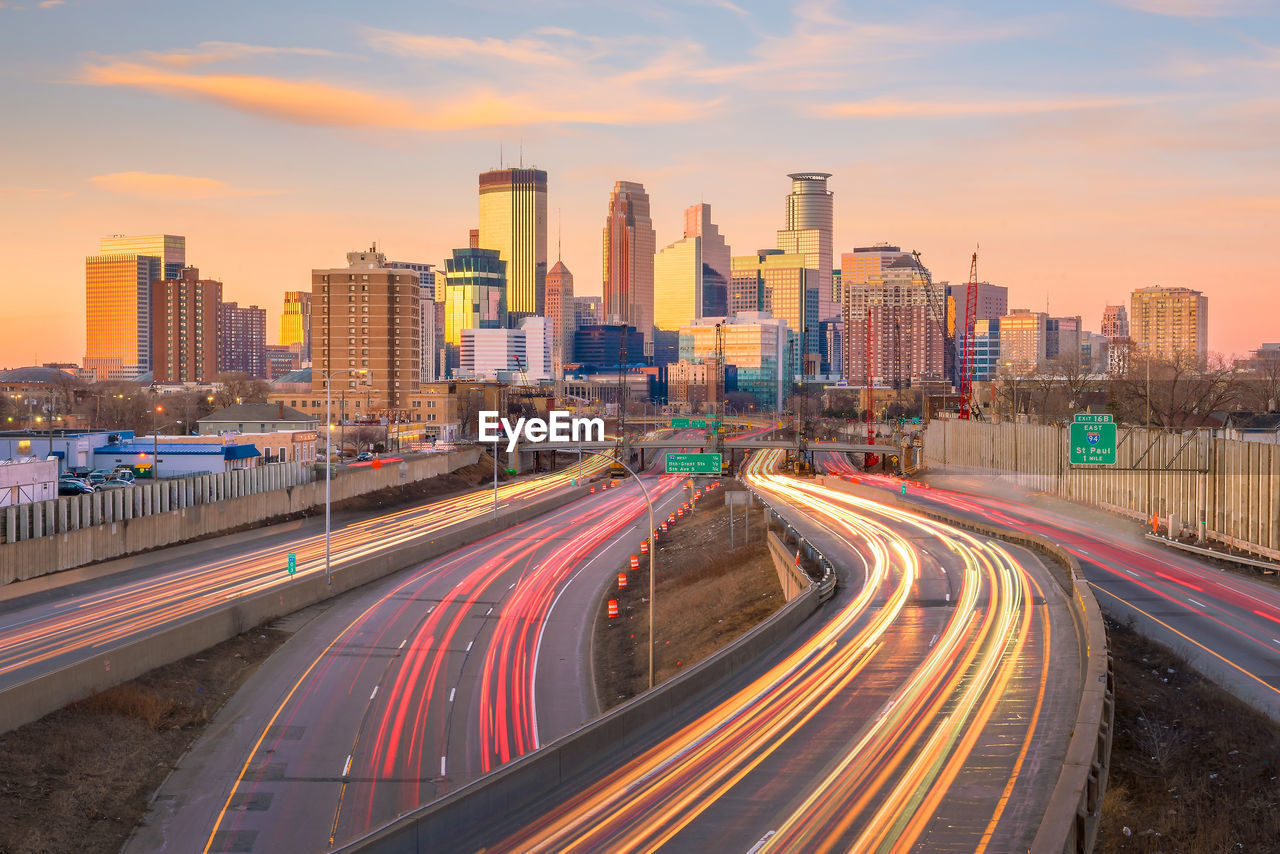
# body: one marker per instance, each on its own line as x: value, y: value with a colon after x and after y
x: 613, y: 608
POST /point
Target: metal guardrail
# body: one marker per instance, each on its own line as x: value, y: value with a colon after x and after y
x: 826, y: 580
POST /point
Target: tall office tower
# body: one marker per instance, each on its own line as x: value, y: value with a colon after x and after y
x: 783, y: 285
x: 691, y: 276
x: 1170, y: 324
x: 475, y: 297
x: 242, y: 339
x: 587, y: 311
x: 295, y: 323
x: 1115, y: 328
x: 428, y: 332
x: 171, y: 249
x: 1023, y: 341
x: 366, y: 317
x: 561, y: 311
x: 184, y: 328
x: 808, y: 233
x: 629, y: 243
x: 907, y: 340
x: 513, y: 220
x: 1063, y: 338
x: 758, y: 344
x: 118, y: 314
x: 857, y: 268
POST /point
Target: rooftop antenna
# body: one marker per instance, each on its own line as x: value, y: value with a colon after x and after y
x: 559, y: 230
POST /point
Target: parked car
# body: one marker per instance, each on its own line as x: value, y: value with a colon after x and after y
x: 364, y: 457
x: 113, y: 484
x: 122, y: 474
x: 70, y: 486
x: 98, y: 476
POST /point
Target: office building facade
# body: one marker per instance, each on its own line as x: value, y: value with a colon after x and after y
x: 808, y: 233
x: 475, y: 297
x: 1023, y: 341
x: 295, y: 323
x: 900, y: 304
x: 1115, y: 328
x: 691, y: 276
x: 118, y: 314
x: 513, y: 220
x: 756, y: 344
x: 562, y: 312
x: 783, y: 286
x: 629, y: 245
x: 601, y: 346
x: 184, y: 328
x: 171, y: 249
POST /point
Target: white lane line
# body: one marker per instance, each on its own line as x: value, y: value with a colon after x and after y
x: 513, y: 586
x: 763, y: 840
x: 490, y: 611
x: 452, y: 691
x: 469, y: 643
x: 375, y: 692
x: 441, y: 766
x: 432, y: 608
x: 1194, y: 602
x: 403, y: 642
x: 932, y: 642
x: 1275, y: 640
x: 347, y: 767
x: 948, y: 597
x: 1131, y: 572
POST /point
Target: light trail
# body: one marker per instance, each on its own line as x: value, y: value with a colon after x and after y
x: 881, y: 791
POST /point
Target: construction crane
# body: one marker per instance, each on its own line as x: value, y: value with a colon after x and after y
x: 720, y: 367
x: 967, y: 356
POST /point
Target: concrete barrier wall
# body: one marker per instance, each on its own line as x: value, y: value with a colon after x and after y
x: 35, y: 698
x: 506, y: 791
x: 1071, y: 819
x: 1219, y: 489
x: 794, y: 582
x: 189, y: 509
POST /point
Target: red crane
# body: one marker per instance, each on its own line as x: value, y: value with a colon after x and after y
x: 966, y: 360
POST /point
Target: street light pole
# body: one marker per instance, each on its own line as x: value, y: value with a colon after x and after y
x: 328, y: 473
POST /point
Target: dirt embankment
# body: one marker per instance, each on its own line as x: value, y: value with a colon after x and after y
x: 707, y: 595
x: 79, y: 779
x: 1193, y: 769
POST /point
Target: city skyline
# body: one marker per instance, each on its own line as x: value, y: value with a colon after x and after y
x: 1078, y: 192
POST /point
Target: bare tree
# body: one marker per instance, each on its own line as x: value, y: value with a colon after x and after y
x: 1259, y: 383
x: 1174, y: 394
x: 237, y: 387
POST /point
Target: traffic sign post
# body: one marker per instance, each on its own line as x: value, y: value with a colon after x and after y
x: 693, y: 463
x: 293, y: 563
x: 1093, y: 440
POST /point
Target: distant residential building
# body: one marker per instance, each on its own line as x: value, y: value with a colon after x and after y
x: 694, y: 386
x: 513, y: 220
x: 256, y: 418
x: 830, y: 345
x: 475, y: 296
x: 992, y: 303
x: 1064, y: 337
x: 986, y: 349
x: 428, y: 330
x: 1115, y: 328
x: 561, y: 311
x: 629, y: 245
x: 808, y: 233
x: 366, y: 319
x: 907, y: 337
x: 691, y: 275
x: 858, y: 268
x: 758, y: 345
x: 295, y: 323
x: 601, y: 346
x: 1023, y: 336
x: 242, y: 339
x: 1170, y: 323
x: 184, y: 328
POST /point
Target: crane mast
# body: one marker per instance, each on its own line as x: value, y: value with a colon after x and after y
x: 967, y: 357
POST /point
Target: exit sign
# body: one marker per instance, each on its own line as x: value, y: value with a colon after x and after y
x: 693, y: 464
x: 1093, y: 442
x: 679, y: 422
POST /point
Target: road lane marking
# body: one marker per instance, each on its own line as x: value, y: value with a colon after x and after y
x: 469, y: 643
x: 375, y: 692
x: 402, y: 643
x: 441, y: 766
x: 347, y: 767
x: 1194, y: 602
x: 452, y: 691
x: 490, y: 611
x: 931, y: 643
x: 763, y: 840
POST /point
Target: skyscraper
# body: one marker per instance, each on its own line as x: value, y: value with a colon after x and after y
x: 808, y: 233
x: 242, y: 339
x: 1170, y: 324
x: 629, y: 243
x: 691, y: 276
x: 429, y: 333
x: 295, y: 323
x: 366, y: 318
x: 475, y: 296
x: 587, y: 311
x: 781, y: 284
x: 907, y: 339
x: 118, y: 314
x: 560, y: 311
x: 184, y: 328
x: 171, y: 249
x: 513, y: 220
x: 857, y: 268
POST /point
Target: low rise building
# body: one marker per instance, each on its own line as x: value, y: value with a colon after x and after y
x: 23, y: 481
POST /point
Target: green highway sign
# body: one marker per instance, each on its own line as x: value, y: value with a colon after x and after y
x: 1091, y: 418
x: 693, y: 464
x: 698, y: 423
x: 293, y: 562
x: 1093, y: 443
x: 679, y: 422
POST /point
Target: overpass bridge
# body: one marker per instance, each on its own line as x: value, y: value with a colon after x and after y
x: 535, y: 452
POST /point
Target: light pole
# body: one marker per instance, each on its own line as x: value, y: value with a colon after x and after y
x: 328, y: 464
x: 653, y: 546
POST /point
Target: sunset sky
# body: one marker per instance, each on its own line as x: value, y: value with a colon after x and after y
x: 1090, y: 148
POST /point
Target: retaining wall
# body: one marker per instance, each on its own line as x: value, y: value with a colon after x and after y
x: 1226, y: 490
x: 51, y: 536
x: 794, y: 582
x: 30, y: 700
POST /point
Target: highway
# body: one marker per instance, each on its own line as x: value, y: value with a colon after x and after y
x: 916, y: 712
x: 411, y: 687
x: 48, y: 630
x: 1223, y: 622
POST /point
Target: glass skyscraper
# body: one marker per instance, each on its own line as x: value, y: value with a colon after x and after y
x: 691, y: 276
x: 808, y: 233
x: 513, y: 220
x: 475, y: 296
x: 629, y: 244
